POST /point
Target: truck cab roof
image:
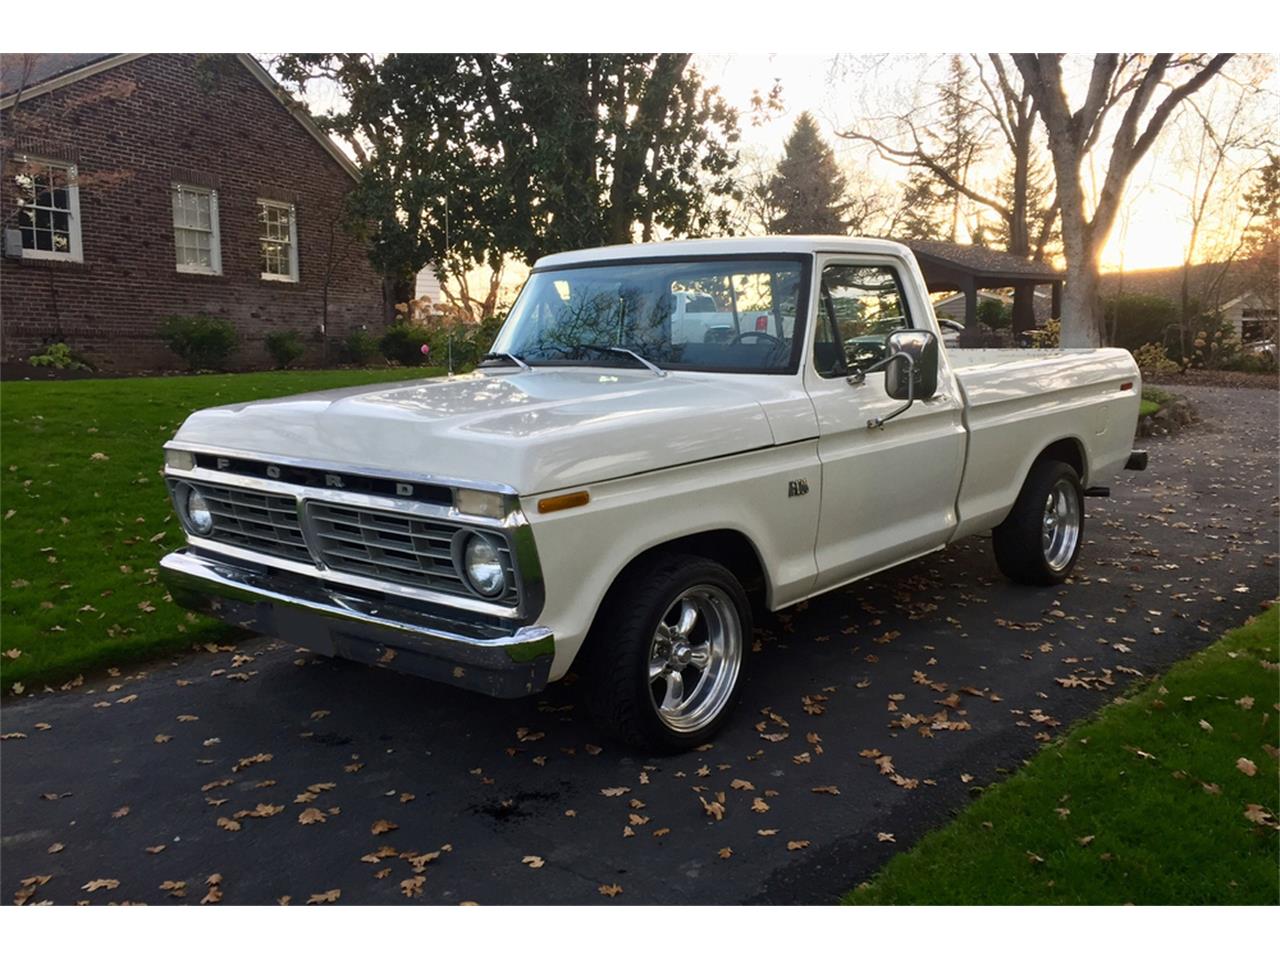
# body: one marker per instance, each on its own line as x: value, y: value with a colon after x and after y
x: 725, y: 247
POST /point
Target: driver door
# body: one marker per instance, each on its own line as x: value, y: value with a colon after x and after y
x: 888, y: 494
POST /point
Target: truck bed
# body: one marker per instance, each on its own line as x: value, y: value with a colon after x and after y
x: 1019, y: 401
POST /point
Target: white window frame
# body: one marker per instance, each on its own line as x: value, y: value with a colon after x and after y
x: 215, y: 238
x: 75, y: 251
x: 292, y: 275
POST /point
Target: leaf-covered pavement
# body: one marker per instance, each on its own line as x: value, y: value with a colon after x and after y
x: 258, y: 773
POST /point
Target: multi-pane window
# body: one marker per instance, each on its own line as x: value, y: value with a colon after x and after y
x: 195, y: 229
x: 859, y: 306
x: 277, y: 239
x: 48, y: 203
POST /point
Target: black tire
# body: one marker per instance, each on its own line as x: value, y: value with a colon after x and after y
x: 620, y: 693
x: 1018, y: 541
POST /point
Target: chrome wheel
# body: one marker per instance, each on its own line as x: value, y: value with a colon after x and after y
x: 694, y: 658
x: 1060, y: 528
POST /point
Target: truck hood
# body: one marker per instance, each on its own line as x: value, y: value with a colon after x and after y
x: 533, y: 431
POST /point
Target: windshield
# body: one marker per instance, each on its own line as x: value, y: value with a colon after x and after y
x: 730, y: 315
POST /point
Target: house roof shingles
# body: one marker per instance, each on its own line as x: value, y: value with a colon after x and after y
x: 21, y: 71
x: 982, y: 262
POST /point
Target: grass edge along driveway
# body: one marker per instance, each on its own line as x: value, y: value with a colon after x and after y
x: 1169, y: 796
x: 86, y: 517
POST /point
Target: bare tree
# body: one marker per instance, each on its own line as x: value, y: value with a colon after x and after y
x: 1224, y: 132
x: 946, y: 158
x: 343, y: 245
x: 1131, y: 80
x: 753, y: 208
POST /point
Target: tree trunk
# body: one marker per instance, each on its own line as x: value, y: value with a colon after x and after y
x: 635, y: 142
x: 396, y: 290
x: 1081, y: 305
x: 1184, y: 306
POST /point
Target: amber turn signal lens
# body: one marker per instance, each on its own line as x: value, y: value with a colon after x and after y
x: 564, y: 502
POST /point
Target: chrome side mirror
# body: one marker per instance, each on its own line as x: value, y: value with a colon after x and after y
x: 911, y: 370
x: 922, y: 347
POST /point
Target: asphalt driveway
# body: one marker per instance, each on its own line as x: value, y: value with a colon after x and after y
x: 869, y: 717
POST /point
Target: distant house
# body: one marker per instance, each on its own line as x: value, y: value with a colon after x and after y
x: 1250, y: 316
x: 953, y: 305
x: 427, y: 286
x: 1226, y: 289
x: 137, y: 187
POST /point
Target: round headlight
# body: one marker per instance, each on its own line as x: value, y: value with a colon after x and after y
x: 482, y: 564
x: 198, y: 513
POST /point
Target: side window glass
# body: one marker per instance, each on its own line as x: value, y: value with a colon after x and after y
x: 862, y: 304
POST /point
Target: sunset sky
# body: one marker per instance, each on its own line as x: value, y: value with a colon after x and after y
x: 1153, y: 235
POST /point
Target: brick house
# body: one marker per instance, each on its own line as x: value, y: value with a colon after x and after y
x: 170, y: 184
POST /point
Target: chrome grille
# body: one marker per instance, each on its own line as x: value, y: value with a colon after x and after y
x: 255, y: 521
x: 398, y: 547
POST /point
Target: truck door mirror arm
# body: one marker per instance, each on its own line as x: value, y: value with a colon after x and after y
x: 919, y: 350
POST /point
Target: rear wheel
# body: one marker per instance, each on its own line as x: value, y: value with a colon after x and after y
x: 666, y: 657
x: 1039, y: 541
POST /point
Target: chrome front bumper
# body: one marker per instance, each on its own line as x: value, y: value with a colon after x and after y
x: 482, y: 656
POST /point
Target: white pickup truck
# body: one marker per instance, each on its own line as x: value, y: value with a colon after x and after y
x: 610, y: 494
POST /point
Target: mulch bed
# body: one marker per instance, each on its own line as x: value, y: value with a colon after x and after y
x: 15, y: 370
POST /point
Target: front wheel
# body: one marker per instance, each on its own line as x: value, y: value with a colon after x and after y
x: 665, y: 661
x: 1039, y: 541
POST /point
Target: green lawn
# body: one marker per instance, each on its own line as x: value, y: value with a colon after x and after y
x: 1146, y: 803
x: 86, y: 517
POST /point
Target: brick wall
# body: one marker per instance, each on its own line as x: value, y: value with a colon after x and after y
x: 134, y: 130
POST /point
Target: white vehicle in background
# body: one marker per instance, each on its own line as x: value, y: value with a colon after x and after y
x: 701, y: 317
x: 1265, y: 349
x: 663, y: 435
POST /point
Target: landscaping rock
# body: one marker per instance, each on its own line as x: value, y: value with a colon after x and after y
x: 1182, y: 412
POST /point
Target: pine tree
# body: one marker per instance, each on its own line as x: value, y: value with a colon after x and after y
x: 923, y: 208
x: 808, y: 189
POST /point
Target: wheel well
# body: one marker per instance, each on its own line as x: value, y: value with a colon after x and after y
x: 1068, y: 450
x: 732, y: 548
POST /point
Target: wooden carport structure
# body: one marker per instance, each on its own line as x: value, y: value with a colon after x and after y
x: 968, y: 269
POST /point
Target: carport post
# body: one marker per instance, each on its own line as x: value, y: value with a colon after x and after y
x: 970, y: 337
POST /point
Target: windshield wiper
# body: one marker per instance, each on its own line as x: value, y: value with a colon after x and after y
x: 508, y: 357
x: 657, y: 370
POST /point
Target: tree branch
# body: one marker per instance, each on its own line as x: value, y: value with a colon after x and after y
x: 919, y: 157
